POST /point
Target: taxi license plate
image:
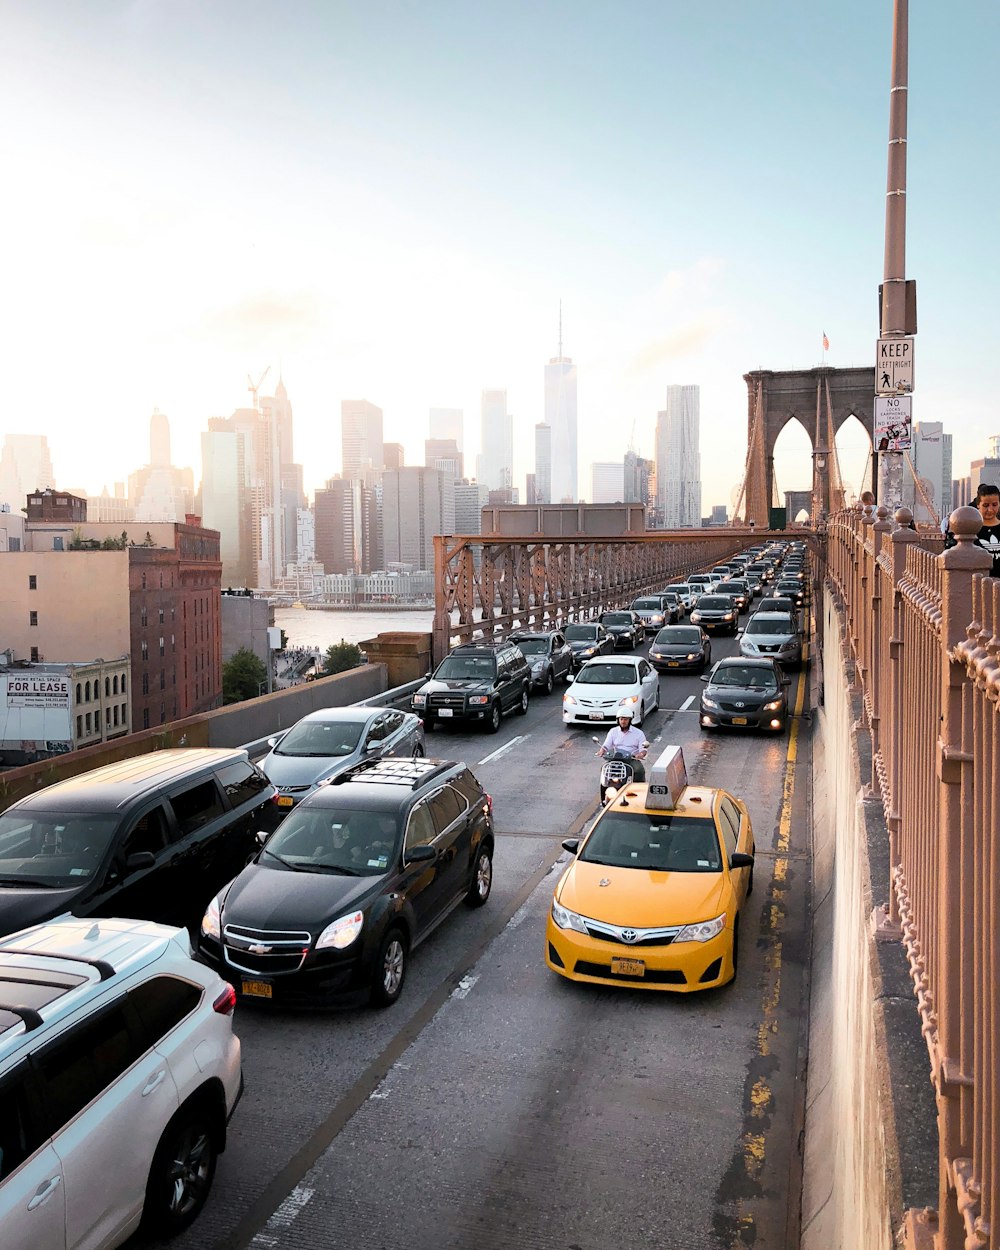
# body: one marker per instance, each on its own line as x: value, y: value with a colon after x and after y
x: 629, y: 967
x: 597, y: 716
x: 739, y: 720
x: 285, y: 801
x: 445, y: 711
x: 257, y: 989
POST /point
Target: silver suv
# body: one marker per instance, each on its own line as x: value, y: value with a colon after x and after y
x: 119, y: 1071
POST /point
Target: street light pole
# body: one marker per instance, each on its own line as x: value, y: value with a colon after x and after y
x: 893, y: 320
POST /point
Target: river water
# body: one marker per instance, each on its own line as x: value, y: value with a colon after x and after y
x: 325, y: 629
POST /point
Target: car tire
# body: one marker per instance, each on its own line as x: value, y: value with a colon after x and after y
x: 637, y: 720
x: 180, y: 1176
x: 482, y: 878
x: 550, y: 682
x: 656, y: 698
x: 522, y: 707
x: 389, y: 972
x: 496, y: 716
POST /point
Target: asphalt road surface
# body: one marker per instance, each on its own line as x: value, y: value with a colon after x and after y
x: 498, y: 1106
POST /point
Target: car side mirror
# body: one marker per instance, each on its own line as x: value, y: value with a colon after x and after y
x: 571, y: 844
x: 272, y: 742
x: 372, y: 745
x: 421, y: 855
x: 786, y: 681
x: 739, y: 860
x: 739, y: 633
x: 138, y: 861
x: 704, y: 677
x: 262, y: 836
x: 570, y: 678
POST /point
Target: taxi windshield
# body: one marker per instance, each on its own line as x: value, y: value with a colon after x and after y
x: 52, y: 848
x: 321, y: 839
x: 660, y: 841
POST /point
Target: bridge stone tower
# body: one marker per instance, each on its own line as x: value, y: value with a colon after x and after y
x: 821, y: 399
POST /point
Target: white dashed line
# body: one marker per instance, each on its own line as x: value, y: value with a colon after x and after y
x: 462, y: 989
x: 686, y: 704
x: 283, y: 1218
x: 495, y: 755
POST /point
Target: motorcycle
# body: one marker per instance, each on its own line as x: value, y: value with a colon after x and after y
x: 619, y: 770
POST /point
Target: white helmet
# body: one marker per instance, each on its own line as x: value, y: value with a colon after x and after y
x: 625, y: 710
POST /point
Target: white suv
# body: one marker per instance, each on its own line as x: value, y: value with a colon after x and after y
x: 119, y: 1071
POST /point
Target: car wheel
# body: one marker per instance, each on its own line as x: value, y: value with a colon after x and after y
x: 640, y: 711
x: 390, y: 969
x: 656, y: 697
x: 550, y: 682
x: 482, y: 878
x: 493, y: 724
x: 181, y: 1173
x: 522, y: 707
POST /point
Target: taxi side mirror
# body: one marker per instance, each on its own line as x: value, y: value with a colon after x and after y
x: 571, y: 844
x: 739, y: 860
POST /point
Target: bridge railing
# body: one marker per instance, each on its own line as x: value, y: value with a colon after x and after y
x: 486, y: 586
x: 924, y: 629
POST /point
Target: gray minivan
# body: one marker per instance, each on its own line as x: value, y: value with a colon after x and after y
x: 153, y: 837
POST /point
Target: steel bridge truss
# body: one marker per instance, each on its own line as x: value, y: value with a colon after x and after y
x: 486, y: 587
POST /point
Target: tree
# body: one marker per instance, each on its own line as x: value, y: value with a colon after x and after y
x: 243, y: 674
x: 340, y: 658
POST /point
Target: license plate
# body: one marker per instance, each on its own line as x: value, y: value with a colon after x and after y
x: 596, y: 716
x: 285, y: 801
x: 445, y: 711
x: 739, y: 720
x: 257, y: 989
x: 629, y: 967
x: 673, y: 663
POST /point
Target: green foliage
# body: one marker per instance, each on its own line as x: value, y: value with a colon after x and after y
x: 243, y: 675
x: 340, y: 658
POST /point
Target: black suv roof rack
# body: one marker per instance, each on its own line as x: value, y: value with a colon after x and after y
x: 28, y: 1016
x: 412, y: 772
x: 100, y: 965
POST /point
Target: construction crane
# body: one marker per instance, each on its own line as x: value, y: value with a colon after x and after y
x: 252, y: 388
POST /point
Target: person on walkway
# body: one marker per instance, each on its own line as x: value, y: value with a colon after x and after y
x: 623, y: 739
x: 987, y: 500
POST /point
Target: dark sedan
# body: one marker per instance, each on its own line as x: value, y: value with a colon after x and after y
x: 549, y: 656
x: 587, y: 640
x: 718, y: 614
x: 625, y: 628
x: 681, y: 649
x: 793, y: 589
x: 744, y: 694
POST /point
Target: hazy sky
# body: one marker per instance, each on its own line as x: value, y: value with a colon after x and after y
x: 388, y: 200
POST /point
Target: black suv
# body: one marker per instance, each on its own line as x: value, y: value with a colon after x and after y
x: 350, y: 882
x: 478, y: 682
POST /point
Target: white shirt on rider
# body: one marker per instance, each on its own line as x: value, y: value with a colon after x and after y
x: 630, y: 741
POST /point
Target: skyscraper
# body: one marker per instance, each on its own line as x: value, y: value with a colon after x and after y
x: 361, y: 437
x: 158, y: 491
x: 607, y: 482
x: 224, y: 498
x: 339, y: 517
x: 25, y: 466
x: 636, y: 479
x: 560, y: 415
x: 417, y: 503
x: 928, y: 487
x: 678, y: 459
x: 495, y: 464
x: 543, y: 463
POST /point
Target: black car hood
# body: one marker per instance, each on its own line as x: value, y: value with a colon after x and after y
x: 277, y: 898
x: 675, y: 648
x: 749, y: 698
x: 583, y: 644
x: 28, y: 905
x: 618, y: 629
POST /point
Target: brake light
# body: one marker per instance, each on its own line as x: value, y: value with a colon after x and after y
x: 489, y: 802
x: 226, y: 1002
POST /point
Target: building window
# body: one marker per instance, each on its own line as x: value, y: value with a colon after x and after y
x: 145, y: 683
x: 57, y: 544
x: 79, y: 726
x: 144, y: 581
x: 143, y: 619
x: 163, y: 713
x: 34, y: 655
x: 107, y: 687
x: 86, y: 693
x: 161, y: 616
x: 114, y: 684
x: 144, y: 649
x: 124, y: 714
x: 90, y: 722
x: 145, y: 718
x: 32, y: 618
x: 13, y: 544
x: 161, y: 645
x: 107, y: 718
x: 116, y: 713
x: 123, y: 683
x: 163, y: 680
x: 79, y: 693
x: 32, y: 582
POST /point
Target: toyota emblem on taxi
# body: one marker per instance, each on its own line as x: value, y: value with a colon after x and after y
x: 629, y: 935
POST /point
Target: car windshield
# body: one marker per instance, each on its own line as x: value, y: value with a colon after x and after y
x: 680, y: 635
x: 467, y: 667
x: 321, y: 737
x: 646, y: 605
x: 715, y: 603
x: 616, y: 618
x: 533, y: 646
x: 52, y: 849
x: 775, y: 605
x: 770, y: 625
x: 659, y: 842
x: 598, y: 674
x: 581, y: 633
x: 682, y: 588
x: 323, y: 839
x: 740, y: 677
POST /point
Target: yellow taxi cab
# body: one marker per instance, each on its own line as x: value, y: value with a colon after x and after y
x: 654, y: 892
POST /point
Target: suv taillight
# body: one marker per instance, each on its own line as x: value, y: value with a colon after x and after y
x: 489, y: 801
x: 226, y: 1002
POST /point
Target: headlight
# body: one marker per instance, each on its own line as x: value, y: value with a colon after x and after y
x: 588, y: 651
x: 567, y: 919
x: 695, y: 616
x: 629, y: 698
x: 727, y: 616
x: 703, y: 932
x: 709, y: 703
x: 211, y: 922
x: 788, y: 646
x: 538, y: 666
x: 419, y: 700
x: 772, y: 706
x: 693, y: 655
x: 656, y: 620
x: 568, y: 698
x: 479, y: 698
x: 342, y: 932
x: 750, y: 647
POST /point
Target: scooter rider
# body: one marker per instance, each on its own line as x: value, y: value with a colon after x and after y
x: 623, y: 740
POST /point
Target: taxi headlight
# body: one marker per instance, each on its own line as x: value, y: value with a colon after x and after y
x: 702, y: 932
x: 342, y: 932
x: 567, y: 919
x: 211, y: 922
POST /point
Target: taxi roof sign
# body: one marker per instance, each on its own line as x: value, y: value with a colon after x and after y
x: 667, y: 778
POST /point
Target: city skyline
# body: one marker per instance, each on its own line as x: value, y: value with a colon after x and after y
x: 232, y: 211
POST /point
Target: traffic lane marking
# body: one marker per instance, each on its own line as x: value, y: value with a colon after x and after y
x: 495, y: 755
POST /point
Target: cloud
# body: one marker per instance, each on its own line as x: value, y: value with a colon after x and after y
x: 680, y: 343
x: 272, y: 316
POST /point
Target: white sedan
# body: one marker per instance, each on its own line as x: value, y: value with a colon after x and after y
x: 605, y: 684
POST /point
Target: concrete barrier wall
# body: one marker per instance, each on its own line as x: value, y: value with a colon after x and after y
x: 868, y: 1086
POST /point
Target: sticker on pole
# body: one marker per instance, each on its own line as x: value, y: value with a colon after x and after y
x: 894, y: 367
x: 893, y: 418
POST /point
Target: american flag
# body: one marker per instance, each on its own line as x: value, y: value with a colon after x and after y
x: 826, y: 342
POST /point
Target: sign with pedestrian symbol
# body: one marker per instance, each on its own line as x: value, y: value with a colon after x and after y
x: 892, y: 423
x: 894, y: 366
